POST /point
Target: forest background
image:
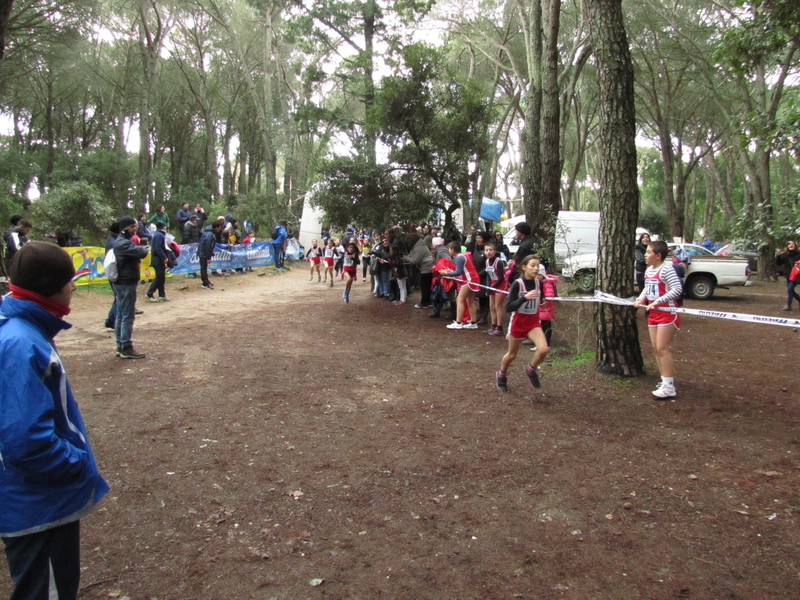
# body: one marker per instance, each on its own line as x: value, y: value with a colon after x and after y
x: 383, y: 112
x: 394, y: 110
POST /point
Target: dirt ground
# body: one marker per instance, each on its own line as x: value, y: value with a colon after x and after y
x: 277, y: 443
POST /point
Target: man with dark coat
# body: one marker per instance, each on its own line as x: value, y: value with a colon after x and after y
x: 128, y: 256
x: 191, y: 231
x: 205, y: 251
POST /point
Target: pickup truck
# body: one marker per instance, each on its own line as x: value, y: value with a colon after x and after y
x: 706, y: 272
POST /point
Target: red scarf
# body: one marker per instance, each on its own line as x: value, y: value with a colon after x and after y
x: 56, y: 308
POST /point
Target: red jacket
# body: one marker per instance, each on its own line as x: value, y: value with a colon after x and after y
x: 547, y: 309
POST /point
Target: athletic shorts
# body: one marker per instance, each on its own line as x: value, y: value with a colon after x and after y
x: 661, y: 318
x: 328, y: 262
x: 473, y: 286
x: 520, y: 324
x: 352, y: 270
x: 315, y: 260
x: 498, y: 288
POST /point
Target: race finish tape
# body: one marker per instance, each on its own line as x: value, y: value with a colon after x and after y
x: 610, y: 299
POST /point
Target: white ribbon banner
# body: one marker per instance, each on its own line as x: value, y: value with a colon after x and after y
x: 715, y: 314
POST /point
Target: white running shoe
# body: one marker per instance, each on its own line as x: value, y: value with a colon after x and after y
x: 455, y: 325
x: 470, y: 325
x: 664, y: 392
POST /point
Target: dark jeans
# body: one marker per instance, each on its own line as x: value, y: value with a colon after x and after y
x: 160, y: 280
x: 125, y: 295
x: 277, y: 251
x: 790, y: 293
x: 31, y: 557
x: 425, y: 280
x: 385, y: 275
x: 112, y: 312
x: 204, y: 271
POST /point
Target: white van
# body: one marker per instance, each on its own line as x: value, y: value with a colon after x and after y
x: 577, y: 233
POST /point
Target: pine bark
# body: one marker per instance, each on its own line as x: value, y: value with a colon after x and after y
x: 618, y: 350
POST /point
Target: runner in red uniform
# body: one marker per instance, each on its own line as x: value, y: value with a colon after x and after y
x: 350, y: 262
x: 466, y: 277
x: 524, y: 297
x: 314, y: 256
x: 662, y: 288
x: 495, y: 269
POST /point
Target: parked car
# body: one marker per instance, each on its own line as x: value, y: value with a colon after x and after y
x: 576, y: 234
x: 747, y: 250
x: 705, y: 273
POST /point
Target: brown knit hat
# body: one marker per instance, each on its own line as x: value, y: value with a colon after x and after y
x: 42, y: 268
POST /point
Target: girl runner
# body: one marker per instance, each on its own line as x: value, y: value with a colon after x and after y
x: 329, y: 256
x: 350, y: 263
x: 662, y: 287
x: 495, y: 270
x: 314, y: 255
x: 523, y: 301
x: 466, y: 276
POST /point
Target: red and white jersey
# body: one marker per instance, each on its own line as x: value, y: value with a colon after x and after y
x: 350, y: 260
x: 662, y: 286
x: 329, y: 252
x: 468, y: 274
x: 314, y: 252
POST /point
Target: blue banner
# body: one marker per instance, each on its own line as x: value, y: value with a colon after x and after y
x: 239, y: 256
x: 88, y: 261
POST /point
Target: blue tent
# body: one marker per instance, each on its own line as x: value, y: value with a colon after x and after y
x: 491, y: 210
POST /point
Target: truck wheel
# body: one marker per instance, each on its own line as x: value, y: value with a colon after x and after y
x: 700, y: 287
x: 584, y: 281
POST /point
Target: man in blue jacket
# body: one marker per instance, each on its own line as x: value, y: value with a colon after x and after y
x: 279, y: 235
x: 205, y: 252
x: 128, y: 256
x: 48, y: 475
x: 158, y: 260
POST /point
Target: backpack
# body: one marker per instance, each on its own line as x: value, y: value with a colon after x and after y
x: 110, y: 266
x: 275, y: 233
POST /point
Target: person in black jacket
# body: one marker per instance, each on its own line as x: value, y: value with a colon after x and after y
x: 128, y: 256
x: 192, y: 231
x: 785, y: 261
x: 158, y: 260
x: 205, y: 251
x: 640, y: 265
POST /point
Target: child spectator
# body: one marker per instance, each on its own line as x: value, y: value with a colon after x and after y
x: 314, y: 255
x: 398, y: 275
x: 662, y: 287
x: 523, y: 301
x: 350, y: 263
x: 495, y: 270
x: 547, y: 310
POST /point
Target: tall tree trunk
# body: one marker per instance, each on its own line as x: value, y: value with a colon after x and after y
x: 618, y: 350
x: 370, y: 11
x: 150, y: 38
x: 547, y: 213
x: 531, y: 175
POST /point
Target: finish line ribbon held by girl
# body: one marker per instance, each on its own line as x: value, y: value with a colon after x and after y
x: 716, y: 314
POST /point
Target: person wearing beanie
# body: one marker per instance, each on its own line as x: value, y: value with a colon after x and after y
x: 49, y: 479
x: 528, y: 244
x: 128, y: 256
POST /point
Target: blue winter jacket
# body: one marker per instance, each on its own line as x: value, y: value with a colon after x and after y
x: 48, y: 475
x: 207, y: 244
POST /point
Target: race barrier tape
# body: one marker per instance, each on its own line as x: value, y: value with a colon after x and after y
x: 715, y: 314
